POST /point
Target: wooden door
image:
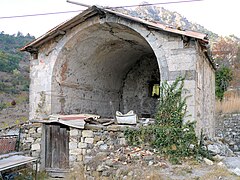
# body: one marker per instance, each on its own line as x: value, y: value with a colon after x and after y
x: 56, y: 146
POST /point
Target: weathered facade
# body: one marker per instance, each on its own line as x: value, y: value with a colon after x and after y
x: 101, y: 61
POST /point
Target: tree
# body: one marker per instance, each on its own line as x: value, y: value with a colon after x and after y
x: 223, y: 78
x: 8, y: 62
x: 224, y: 51
x: 236, y: 70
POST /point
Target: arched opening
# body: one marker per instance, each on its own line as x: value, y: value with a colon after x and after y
x: 105, y: 63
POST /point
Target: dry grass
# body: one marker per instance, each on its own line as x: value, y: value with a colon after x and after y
x: 219, y: 173
x: 189, y: 170
x: 76, y: 174
x: 230, y: 104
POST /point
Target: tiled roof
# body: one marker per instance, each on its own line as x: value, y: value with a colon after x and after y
x: 94, y: 10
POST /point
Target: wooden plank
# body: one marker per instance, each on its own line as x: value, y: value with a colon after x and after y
x: 57, y: 139
x: 55, y: 148
x: 66, y: 134
x: 48, y: 146
x: 62, y: 148
x: 43, y: 148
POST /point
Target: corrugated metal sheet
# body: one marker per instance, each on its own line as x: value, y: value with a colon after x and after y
x: 92, y: 11
x: 15, y: 161
x: 8, y: 144
x: 74, y: 120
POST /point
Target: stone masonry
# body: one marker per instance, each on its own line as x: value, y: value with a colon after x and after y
x: 85, y: 144
x: 30, y: 137
x: 228, y: 129
x: 89, y: 65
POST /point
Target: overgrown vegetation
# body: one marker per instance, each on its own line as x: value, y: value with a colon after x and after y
x: 170, y: 135
x: 222, y: 80
x: 25, y: 174
x: 10, y: 56
x: 226, y: 53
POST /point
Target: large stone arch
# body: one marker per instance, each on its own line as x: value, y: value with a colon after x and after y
x: 133, y: 43
x: 105, y: 62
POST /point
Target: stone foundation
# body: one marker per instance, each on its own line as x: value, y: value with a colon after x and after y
x: 84, y: 142
x: 228, y: 128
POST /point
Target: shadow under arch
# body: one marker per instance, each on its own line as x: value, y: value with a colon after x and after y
x: 103, y: 63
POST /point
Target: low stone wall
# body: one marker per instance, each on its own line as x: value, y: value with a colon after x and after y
x: 228, y: 129
x: 30, y: 137
x: 85, y: 144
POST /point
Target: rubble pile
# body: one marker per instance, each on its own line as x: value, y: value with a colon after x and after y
x: 112, y: 164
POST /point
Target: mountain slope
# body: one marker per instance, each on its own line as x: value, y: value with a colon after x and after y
x: 14, y: 79
x: 167, y: 17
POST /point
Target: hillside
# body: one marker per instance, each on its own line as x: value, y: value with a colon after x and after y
x: 14, y: 79
x: 167, y: 17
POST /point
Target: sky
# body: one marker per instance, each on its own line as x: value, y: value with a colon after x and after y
x: 219, y: 16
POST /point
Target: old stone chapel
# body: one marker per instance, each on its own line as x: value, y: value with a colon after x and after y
x: 102, y: 56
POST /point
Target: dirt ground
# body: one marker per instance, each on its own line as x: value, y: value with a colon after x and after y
x: 11, y: 115
x: 190, y: 170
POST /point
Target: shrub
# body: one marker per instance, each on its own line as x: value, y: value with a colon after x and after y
x: 222, y: 80
x: 2, y: 105
x: 170, y: 135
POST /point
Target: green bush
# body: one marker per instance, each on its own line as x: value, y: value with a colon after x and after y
x: 2, y: 105
x: 8, y: 62
x: 171, y: 106
x: 170, y: 135
x: 223, y: 77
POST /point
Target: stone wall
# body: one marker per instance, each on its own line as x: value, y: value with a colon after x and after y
x: 228, y: 129
x: 205, y: 95
x: 88, y: 73
x: 85, y: 144
x: 83, y: 70
x: 136, y: 93
x: 30, y: 137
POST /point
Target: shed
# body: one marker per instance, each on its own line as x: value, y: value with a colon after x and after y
x: 102, y: 59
